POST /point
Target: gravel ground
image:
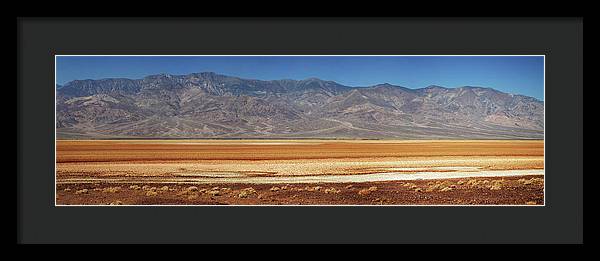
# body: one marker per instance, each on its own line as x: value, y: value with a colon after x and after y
x: 519, y: 190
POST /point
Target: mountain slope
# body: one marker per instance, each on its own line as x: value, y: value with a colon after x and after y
x: 209, y: 105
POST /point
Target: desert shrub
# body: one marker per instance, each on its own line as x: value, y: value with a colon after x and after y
x: 410, y: 185
x: 111, y: 189
x: 472, y: 183
x: 332, y: 190
x: 213, y: 192
x: 274, y: 189
x: 134, y: 187
x: 315, y: 188
x: 244, y: 193
x: 497, y: 184
x: 151, y: 193
x: 441, y: 186
x: 164, y: 188
x: 189, y: 191
x: 531, y: 181
x: 368, y: 191
x: 118, y: 202
x: 82, y: 191
x: 433, y: 187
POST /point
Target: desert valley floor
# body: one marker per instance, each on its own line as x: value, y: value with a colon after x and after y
x: 299, y: 172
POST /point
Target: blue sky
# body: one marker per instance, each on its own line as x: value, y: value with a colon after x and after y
x: 512, y: 74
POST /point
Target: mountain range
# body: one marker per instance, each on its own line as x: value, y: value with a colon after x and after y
x: 210, y: 105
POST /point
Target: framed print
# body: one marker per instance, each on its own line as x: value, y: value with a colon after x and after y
x: 300, y: 130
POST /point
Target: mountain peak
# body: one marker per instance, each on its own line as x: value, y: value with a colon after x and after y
x: 436, y: 87
x: 475, y: 87
x: 386, y: 85
x: 208, y: 73
x: 313, y: 79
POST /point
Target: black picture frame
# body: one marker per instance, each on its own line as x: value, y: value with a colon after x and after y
x: 559, y: 39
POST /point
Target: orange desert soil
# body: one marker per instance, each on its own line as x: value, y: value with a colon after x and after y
x: 151, y: 172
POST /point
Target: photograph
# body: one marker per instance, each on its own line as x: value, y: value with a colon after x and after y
x: 299, y: 130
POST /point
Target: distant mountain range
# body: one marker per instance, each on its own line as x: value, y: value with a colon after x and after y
x: 210, y: 105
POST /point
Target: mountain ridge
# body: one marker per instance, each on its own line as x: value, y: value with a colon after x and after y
x: 211, y: 105
x: 283, y: 80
